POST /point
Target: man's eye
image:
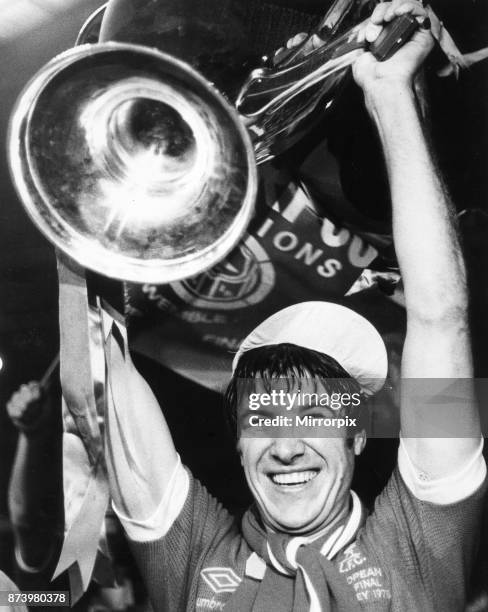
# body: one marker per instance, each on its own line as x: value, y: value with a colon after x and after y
x: 322, y: 413
x: 266, y: 413
x: 315, y: 413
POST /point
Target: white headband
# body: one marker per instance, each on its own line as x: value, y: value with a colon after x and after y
x: 332, y: 330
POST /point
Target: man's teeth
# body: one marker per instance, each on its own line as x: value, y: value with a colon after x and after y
x: 293, y: 478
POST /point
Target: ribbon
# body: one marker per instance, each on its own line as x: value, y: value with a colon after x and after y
x: 82, y: 372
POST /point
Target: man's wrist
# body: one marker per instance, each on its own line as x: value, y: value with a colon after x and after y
x: 38, y: 424
x: 385, y: 96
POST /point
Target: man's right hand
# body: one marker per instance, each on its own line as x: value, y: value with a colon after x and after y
x: 28, y: 407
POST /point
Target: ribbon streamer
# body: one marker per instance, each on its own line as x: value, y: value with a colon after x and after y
x: 82, y: 372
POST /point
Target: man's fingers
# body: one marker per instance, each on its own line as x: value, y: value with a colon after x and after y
x: 386, y: 12
x: 378, y: 15
x: 395, y: 9
x: 372, y: 32
x: 30, y: 392
x: 290, y: 44
x: 24, y: 400
x: 15, y: 404
x: 296, y: 40
x: 35, y: 389
x: 12, y: 409
x: 315, y: 42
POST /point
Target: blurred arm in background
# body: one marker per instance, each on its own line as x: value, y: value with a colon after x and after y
x: 35, y: 489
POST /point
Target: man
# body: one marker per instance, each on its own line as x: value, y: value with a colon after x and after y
x: 305, y: 545
x: 322, y: 217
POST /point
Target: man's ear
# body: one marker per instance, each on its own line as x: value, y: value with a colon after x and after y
x: 359, y: 442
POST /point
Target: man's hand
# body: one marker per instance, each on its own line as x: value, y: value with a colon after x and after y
x: 400, y: 69
x: 314, y: 42
x: 28, y: 407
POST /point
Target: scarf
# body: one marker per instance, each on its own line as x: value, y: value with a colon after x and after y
x: 316, y: 584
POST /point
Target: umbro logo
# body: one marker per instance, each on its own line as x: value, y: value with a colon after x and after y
x: 221, y: 579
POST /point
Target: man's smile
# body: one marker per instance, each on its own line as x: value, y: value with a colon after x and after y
x: 293, y: 479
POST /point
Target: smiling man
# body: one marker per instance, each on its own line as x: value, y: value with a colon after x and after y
x: 299, y: 459
x: 306, y: 544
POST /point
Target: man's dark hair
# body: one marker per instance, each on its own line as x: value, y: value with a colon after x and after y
x: 290, y: 361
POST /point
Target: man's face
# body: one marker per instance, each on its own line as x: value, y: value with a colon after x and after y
x: 300, y: 484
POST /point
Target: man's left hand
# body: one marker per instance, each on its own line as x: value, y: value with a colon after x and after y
x: 402, y: 67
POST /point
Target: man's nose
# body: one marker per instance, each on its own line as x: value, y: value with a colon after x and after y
x: 286, y: 450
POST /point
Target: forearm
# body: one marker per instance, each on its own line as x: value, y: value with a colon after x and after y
x: 429, y: 254
x: 34, y: 497
x: 26, y: 483
x: 437, y: 342
x: 424, y: 227
x: 139, y: 449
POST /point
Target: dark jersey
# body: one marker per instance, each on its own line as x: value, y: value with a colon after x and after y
x: 409, y: 555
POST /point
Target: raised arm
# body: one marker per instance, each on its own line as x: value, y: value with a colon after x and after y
x: 141, y: 457
x: 427, y: 245
x: 35, y: 488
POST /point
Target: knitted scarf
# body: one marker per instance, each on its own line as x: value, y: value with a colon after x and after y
x: 295, y: 574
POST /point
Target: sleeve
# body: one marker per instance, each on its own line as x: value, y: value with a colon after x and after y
x: 433, y: 544
x: 170, y: 565
x: 159, y: 523
x: 448, y: 490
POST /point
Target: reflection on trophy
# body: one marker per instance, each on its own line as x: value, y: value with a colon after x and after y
x: 137, y: 156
